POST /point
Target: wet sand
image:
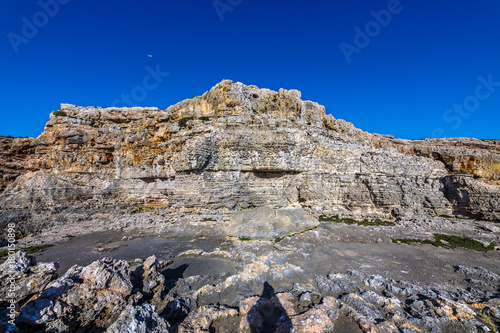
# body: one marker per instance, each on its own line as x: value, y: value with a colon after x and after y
x: 320, y: 255
x: 423, y: 263
x: 82, y: 251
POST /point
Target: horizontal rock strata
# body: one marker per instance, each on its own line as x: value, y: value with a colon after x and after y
x: 238, y: 147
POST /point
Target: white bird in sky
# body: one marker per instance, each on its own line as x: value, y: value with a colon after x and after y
x: 149, y: 55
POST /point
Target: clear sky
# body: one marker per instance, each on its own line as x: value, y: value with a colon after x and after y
x: 415, y: 69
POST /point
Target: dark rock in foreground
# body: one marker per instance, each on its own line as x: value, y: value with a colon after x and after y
x: 112, y: 295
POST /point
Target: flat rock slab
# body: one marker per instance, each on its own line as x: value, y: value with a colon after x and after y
x: 268, y: 223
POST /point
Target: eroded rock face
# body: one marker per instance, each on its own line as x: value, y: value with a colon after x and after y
x: 479, y: 158
x: 471, y: 198
x: 238, y: 147
x: 14, y: 153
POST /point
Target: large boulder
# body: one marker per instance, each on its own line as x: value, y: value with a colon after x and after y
x: 98, y: 295
x: 267, y: 223
x: 21, y: 277
x: 92, y: 295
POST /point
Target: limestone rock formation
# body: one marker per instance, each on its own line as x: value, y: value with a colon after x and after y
x: 139, y: 319
x: 267, y: 223
x: 103, y: 294
x: 21, y: 277
x: 472, y: 198
x: 13, y: 156
x: 238, y: 147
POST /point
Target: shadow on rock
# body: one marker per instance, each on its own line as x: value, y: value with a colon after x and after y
x: 175, y: 310
x: 175, y: 273
x: 268, y: 315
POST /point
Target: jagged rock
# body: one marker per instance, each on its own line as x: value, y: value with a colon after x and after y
x: 95, y: 295
x: 268, y: 223
x: 479, y: 272
x: 149, y: 280
x: 19, y: 262
x: 139, y: 319
x: 109, y: 274
x: 400, y: 306
x: 316, y: 320
x: 105, y: 295
x: 238, y: 147
x: 21, y: 276
x: 204, y: 317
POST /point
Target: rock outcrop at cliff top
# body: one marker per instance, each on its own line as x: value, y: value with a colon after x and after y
x: 237, y: 147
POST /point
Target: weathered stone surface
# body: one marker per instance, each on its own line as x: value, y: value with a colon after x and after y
x: 14, y: 159
x: 397, y: 306
x: 21, y: 277
x: 263, y: 295
x: 204, y: 317
x: 285, y: 312
x: 99, y: 295
x: 95, y: 295
x: 480, y: 158
x: 238, y: 147
x: 139, y: 319
x: 267, y: 223
x: 149, y: 281
x: 473, y: 199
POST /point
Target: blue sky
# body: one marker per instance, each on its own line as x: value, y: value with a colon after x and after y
x: 425, y: 68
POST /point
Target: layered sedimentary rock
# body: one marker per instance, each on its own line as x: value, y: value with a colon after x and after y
x: 238, y: 147
x: 13, y: 156
x: 479, y: 158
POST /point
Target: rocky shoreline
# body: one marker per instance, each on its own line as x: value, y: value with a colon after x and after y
x: 336, y: 277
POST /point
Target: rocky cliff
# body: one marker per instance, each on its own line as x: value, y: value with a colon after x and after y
x: 13, y: 155
x: 239, y: 146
